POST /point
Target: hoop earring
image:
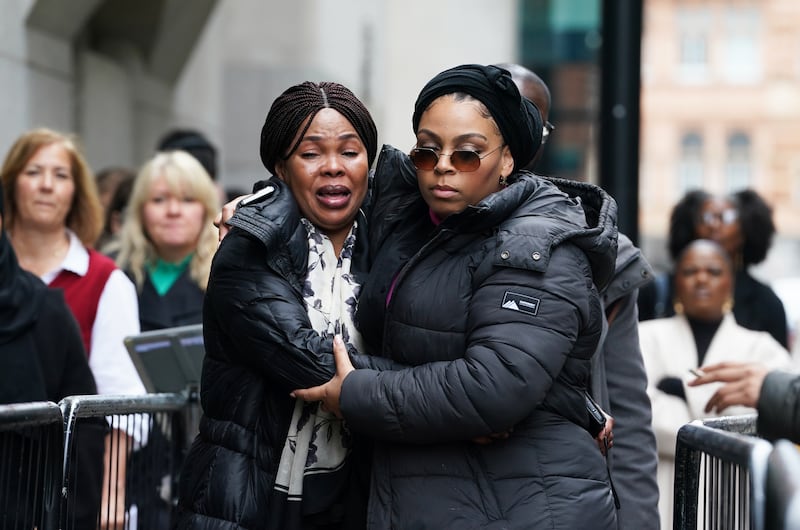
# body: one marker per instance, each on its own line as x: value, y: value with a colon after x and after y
x: 678, y: 307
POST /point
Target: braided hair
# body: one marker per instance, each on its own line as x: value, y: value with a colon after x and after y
x: 296, y: 108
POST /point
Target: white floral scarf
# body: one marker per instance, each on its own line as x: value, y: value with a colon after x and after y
x: 319, y: 442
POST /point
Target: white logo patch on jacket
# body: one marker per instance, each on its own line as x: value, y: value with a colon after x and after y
x: 521, y: 302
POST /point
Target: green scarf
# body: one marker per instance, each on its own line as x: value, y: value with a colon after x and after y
x: 164, y: 274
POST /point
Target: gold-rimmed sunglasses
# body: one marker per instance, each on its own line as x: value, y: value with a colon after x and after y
x: 463, y: 160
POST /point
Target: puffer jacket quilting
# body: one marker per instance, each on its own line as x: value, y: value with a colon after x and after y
x: 259, y: 346
x: 501, y: 324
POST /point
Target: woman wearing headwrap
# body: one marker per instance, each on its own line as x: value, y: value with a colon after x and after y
x: 41, y: 359
x: 484, y: 280
x: 282, y: 282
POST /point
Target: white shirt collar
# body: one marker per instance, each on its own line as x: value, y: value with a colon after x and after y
x: 76, y: 260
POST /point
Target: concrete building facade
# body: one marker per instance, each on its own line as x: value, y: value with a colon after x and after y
x: 721, y: 111
x: 119, y: 73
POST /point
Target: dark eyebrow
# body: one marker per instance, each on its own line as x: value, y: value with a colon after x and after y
x: 460, y: 138
x: 342, y: 137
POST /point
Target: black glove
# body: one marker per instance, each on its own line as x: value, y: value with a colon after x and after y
x: 672, y: 386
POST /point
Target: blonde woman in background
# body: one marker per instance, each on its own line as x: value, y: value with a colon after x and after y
x: 168, y: 239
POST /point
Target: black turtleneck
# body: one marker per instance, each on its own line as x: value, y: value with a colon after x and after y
x: 703, y: 331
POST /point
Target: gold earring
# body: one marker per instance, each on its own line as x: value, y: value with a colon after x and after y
x: 678, y: 307
x: 503, y: 181
x: 727, y: 306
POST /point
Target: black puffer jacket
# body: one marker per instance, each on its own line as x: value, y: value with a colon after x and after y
x: 259, y: 346
x: 498, y: 310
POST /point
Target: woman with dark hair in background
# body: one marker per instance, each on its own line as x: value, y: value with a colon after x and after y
x: 742, y: 224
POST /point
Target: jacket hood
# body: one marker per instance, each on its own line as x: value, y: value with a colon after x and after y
x: 535, y: 214
x: 600, y: 239
x: 632, y: 271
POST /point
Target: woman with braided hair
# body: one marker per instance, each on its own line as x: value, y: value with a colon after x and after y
x: 282, y: 283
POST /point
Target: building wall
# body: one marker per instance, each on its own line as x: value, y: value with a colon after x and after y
x: 79, y: 69
x: 383, y: 50
x: 753, y: 88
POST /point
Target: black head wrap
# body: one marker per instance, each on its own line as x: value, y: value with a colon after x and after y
x: 21, y: 293
x: 518, y: 119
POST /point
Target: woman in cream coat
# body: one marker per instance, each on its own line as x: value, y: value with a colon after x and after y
x: 702, y: 332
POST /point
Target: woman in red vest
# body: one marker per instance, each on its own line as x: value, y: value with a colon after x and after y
x: 53, y: 216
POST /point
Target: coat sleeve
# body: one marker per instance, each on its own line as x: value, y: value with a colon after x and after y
x: 669, y: 412
x: 779, y: 406
x: 509, y: 365
x: 634, y: 458
x: 253, y: 316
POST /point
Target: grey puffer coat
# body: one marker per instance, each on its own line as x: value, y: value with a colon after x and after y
x: 497, y: 310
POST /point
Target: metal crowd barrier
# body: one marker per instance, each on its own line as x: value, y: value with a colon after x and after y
x: 783, y: 487
x: 143, y: 444
x: 94, y: 462
x: 31, y: 449
x: 720, y: 475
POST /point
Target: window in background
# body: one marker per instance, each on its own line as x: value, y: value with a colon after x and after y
x: 738, y: 162
x: 560, y: 41
x: 742, y: 50
x: 690, y: 166
x: 693, y: 25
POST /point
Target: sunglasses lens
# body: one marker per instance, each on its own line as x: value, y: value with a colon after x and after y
x: 424, y: 159
x: 465, y: 160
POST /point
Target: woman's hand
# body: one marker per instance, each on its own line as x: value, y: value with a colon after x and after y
x: 743, y: 384
x: 329, y: 393
x: 605, y: 438
x: 225, y: 214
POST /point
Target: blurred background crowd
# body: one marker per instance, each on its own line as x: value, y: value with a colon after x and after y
x: 672, y: 96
